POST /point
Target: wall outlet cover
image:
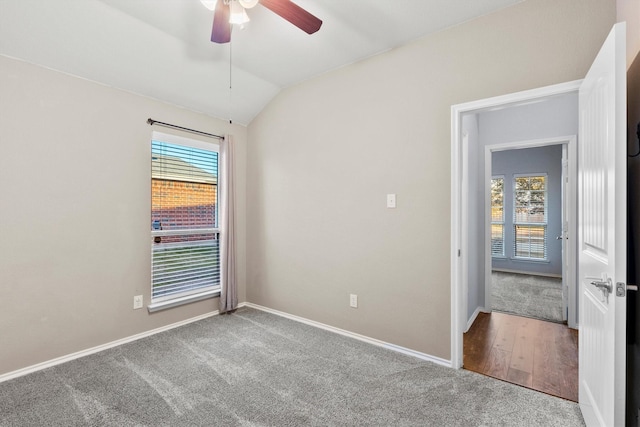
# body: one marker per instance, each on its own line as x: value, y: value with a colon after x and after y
x: 391, y: 201
x: 353, y: 300
x: 138, y: 301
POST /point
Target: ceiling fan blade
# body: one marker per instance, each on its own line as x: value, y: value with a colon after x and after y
x: 294, y: 14
x: 221, y: 31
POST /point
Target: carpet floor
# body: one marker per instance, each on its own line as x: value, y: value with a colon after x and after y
x: 253, y: 368
x: 527, y: 295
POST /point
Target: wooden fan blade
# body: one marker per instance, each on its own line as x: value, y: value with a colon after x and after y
x: 221, y: 31
x: 294, y: 14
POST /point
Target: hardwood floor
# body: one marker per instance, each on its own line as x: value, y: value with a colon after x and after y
x: 532, y: 353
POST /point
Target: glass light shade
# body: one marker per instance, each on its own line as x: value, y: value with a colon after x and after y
x: 248, y: 4
x: 238, y: 15
x: 209, y: 4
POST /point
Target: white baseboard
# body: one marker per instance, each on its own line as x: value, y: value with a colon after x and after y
x: 364, y: 338
x: 530, y: 273
x: 59, y: 360
x: 473, y: 317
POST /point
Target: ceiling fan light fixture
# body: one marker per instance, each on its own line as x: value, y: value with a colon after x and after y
x: 248, y: 4
x: 209, y: 4
x: 238, y: 15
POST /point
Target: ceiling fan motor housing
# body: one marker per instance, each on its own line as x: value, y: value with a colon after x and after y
x: 248, y: 4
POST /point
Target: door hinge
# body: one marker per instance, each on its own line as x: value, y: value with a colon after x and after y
x: 459, y: 252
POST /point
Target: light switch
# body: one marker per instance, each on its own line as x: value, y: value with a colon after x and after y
x: 391, y: 200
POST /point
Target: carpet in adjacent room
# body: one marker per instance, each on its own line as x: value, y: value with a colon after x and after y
x: 527, y: 295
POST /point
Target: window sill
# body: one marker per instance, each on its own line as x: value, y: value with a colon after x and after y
x: 539, y: 261
x: 163, y: 305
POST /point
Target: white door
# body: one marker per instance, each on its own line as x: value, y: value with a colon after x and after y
x: 602, y: 254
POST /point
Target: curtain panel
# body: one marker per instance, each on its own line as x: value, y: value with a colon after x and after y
x: 228, y: 285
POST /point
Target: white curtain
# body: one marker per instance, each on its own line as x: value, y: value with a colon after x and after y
x: 229, y: 290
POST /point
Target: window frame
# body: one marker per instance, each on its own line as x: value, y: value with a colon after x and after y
x: 530, y: 224
x: 201, y: 292
x: 502, y: 221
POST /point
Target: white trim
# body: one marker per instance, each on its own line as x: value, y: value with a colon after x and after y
x: 517, y: 98
x: 530, y: 273
x: 473, y: 318
x: 190, y: 141
x: 69, y: 357
x: 459, y: 226
x: 459, y: 229
x: 160, y: 304
x: 354, y: 335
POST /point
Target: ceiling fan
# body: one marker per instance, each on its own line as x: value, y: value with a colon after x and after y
x: 228, y: 12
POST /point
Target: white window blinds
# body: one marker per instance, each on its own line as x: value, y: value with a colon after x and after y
x: 184, y: 221
x: 497, y: 216
x: 530, y: 216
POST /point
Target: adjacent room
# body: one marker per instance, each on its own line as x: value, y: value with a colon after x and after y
x: 247, y: 212
x: 519, y: 274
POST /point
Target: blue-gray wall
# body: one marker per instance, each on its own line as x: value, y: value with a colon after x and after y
x: 553, y: 117
x: 543, y: 160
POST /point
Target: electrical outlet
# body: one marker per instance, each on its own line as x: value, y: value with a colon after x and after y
x: 353, y: 300
x: 137, y: 302
x: 391, y: 201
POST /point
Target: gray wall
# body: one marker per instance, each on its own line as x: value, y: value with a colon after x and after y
x: 75, y: 209
x: 321, y: 157
x: 324, y: 154
x: 475, y: 235
x: 547, y: 160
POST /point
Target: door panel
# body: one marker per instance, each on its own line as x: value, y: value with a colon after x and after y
x: 602, y: 234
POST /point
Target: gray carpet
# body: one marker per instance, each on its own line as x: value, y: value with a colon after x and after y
x: 256, y: 369
x: 526, y: 295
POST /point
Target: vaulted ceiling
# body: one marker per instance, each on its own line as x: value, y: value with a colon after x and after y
x: 161, y: 48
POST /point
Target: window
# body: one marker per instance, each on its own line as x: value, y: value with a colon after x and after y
x: 497, y: 216
x: 185, y: 249
x: 530, y: 217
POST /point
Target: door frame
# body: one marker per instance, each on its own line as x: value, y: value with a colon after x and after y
x: 568, y: 203
x: 459, y: 195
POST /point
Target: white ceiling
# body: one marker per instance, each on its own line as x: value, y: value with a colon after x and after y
x: 161, y: 48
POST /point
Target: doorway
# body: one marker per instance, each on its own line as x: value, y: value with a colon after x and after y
x: 517, y: 235
x: 471, y: 240
x: 529, y: 196
x: 601, y: 224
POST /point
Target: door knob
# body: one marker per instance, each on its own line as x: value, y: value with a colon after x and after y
x: 604, y: 286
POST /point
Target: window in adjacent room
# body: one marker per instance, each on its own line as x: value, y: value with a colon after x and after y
x: 497, y: 216
x: 530, y: 217
x: 185, y: 248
